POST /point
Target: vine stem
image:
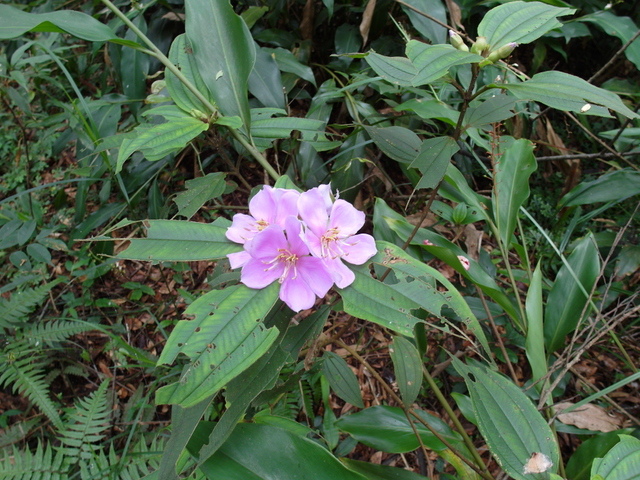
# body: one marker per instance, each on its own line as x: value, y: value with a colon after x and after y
x: 157, y: 53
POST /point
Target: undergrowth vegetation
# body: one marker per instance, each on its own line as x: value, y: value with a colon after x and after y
x: 319, y: 240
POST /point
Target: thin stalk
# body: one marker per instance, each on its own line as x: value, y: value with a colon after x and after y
x: 155, y: 52
x: 456, y: 422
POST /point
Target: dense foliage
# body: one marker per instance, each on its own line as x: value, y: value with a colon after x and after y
x: 320, y: 240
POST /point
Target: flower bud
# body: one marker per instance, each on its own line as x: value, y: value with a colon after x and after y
x: 502, y: 52
x: 459, y: 214
x: 480, y: 46
x: 457, y: 42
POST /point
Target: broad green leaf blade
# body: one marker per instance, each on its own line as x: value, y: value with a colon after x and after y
x: 398, y: 143
x: 396, y: 305
x: 407, y: 366
x: 449, y: 252
x: 614, y: 186
x: 266, y: 130
x: 569, y: 93
x: 224, y: 338
x: 264, y: 452
x: 567, y: 299
x: 15, y: 23
x: 199, y: 191
x: 622, y: 462
x: 510, y: 424
x: 225, y: 54
x: 581, y: 461
x: 534, y: 346
x: 427, y: 27
x: 432, y: 62
x: 288, y: 62
x: 342, y: 379
x: 493, y: 109
x: 265, y: 81
x: 511, y: 186
x: 387, y: 429
x: 622, y: 27
x: 433, y: 160
x: 181, y: 55
x: 520, y: 22
x: 397, y: 70
x: 380, y: 472
x: 263, y: 374
x: 158, y: 141
x: 182, y: 241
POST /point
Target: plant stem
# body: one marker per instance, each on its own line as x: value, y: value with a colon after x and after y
x: 155, y: 52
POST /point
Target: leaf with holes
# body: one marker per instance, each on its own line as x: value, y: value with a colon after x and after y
x: 224, y: 338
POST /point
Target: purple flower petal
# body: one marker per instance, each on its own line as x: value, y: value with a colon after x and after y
x: 346, y: 218
x: 357, y: 249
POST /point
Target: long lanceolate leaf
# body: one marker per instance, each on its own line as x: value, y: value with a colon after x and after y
x: 511, y: 186
x: 223, y: 339
x: 180, y: 241
x: 224, y: 52
x: 397, y: 305
x: 512, y: 427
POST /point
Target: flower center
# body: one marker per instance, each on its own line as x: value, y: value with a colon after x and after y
x: 290, y: 261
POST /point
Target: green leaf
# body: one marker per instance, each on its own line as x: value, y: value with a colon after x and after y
x: 387, y: 429
x: 182, y: 241
x: 534, y: 346
x: 397, y: 305
x: 158, y: 141
x: 579, y: 465
x: 373, y: 471
x: 342, y: 379
x: 622, y: 27
x: 433, y: 160
x: 510, y: 424
x: 622, y: 462
x: 397, y: 70
x: 264, y: 452
x: 567, y: 300
x: 288, y: 62
x: 427, y: 27
x: 430, y: 108
x: 511, y: 186
x: 15, y: 23
x: 407, y: 366
x: 566, y: 92
x: 224, y: 338
x: 265, y: 81
x: 494, y: 109
x: 266, y: 130
x: 520, y: 22
x: 181, y: 55
x: 398, y: 143
x: 432, y: 62
x: 224, y: 52
x: 199, y: 191
x: 614, y: 186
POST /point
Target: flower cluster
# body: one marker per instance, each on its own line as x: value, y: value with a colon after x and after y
x: 301, y: 240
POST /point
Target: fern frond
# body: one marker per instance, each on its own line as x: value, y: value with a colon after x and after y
x: 24, y: 464
x: 86, y: 425
x: 27, y: 379
x: 17, y: 309
x: 54, y: 331
x: 17, y: 432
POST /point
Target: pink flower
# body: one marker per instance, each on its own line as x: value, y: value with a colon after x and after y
x: 270, y: 206
x: 277, y: 254
x: 331, y: 234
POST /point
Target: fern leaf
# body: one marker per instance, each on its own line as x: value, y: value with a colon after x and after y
x: 17, y: 432
x: 27, y: 379
x: 86, y: 425
x: 24, y: 464
x: 17, y: 309
x: 54, y: 331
